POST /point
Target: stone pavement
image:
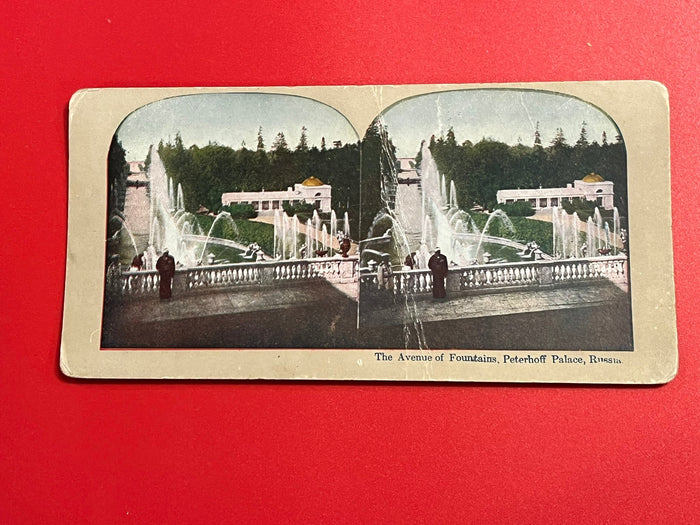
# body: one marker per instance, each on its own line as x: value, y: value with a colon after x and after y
x: 495, y: 303
x: 585, y: 317
x: 317, y: 315
x: 311, y: 314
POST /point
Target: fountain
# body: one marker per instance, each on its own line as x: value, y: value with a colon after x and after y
x: 224, y: 217
x: 440, y: 223
x: 444, y: 224
x: 165, y: 232
x: 289, y: 243
x: 171, y: 226
x: 286, y: 236
x: 572, y: 239
x: 123, y: 225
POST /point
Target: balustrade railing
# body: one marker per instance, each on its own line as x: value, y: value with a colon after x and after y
x: 141, y: 283
x: 478, y: 277
x: 530, y: 274
x: 220, y: 276
x: 147, y: 282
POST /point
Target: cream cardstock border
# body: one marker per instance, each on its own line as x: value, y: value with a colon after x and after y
x: 639, y: 108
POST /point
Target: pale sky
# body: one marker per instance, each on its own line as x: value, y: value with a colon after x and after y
x: 498, y: 114
x: 231, y: 118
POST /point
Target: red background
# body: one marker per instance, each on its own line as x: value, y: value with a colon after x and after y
x: 209, y: 452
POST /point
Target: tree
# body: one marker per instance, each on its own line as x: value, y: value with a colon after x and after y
x: 117, y: 172
x: 559, y: 139
x: 538, y: 139
x: 378, y: 161
x: 147, y: 162
x: 303, y: 142
x: 280, y: 143
x: 261, y: 142
x: 582, y: 141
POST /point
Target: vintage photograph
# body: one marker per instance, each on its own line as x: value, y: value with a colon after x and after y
x: 500, y: 222
x: 230, y: 224
x: 445, y: 232
x: 490, y: 219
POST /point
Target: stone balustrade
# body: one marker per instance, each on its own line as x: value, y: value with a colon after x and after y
x: 531, y: 274
x: 146, y: 282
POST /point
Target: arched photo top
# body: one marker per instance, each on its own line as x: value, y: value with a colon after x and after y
x: 233, y: 119
x: 511, y: 116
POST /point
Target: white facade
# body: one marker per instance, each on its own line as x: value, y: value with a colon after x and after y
x: 598, y: 191
x: 311, y: 191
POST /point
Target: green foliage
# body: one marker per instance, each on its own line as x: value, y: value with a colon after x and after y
x: 241, y: 230
x: 117, y: 173
x: 207, y: 172
x: 527, y: 230
x: 240, y: 211
x: 260, y: 232
x: 583, y: 207
x: 298, y: 208
x: 480, y: 170
x: 378, y: 174
x: 524, y: 230
x: 517, y: 209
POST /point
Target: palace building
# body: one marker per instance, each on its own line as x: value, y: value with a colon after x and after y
x: 311, y: 191
x: 592, y: 187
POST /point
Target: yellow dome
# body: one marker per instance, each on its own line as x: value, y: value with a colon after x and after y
x: 312, y: 181
x: 593, y: 177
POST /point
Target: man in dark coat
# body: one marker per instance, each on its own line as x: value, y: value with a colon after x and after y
x: 438, y: 266
x: 166, y: 269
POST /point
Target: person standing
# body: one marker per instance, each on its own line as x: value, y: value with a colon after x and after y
x: 137, y: 262
x: 410, y: 260
x: 385, y: 279
x: 166, y: 269
x: 438, y: 266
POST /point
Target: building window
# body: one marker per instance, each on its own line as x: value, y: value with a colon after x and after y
x: 265, y: 205
x: 317, y: 204
x: 275, y: 205
x: 256, y: 206
x: 533, y: 202
x: 509, y: 201
x: 555, y: 201
x: 543, y: 203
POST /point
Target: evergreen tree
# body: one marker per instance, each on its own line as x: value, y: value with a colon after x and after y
x: 582, y: 141
x: 559, y: 139
x: 303, y: 142
x: 280, y: 143
x: 378, y: 163
x: 117, y: 172
x: 261, y: 142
